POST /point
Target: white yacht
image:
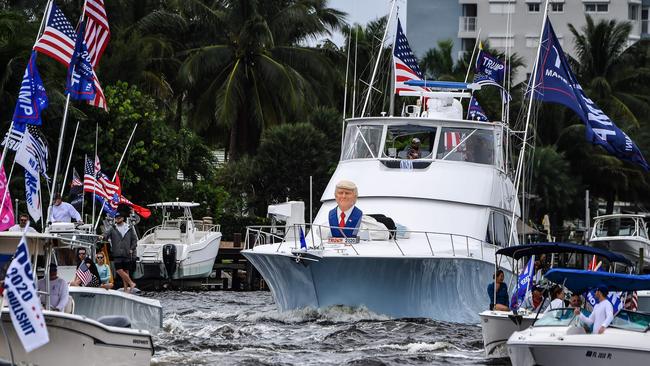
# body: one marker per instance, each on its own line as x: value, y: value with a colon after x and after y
x: 558, y: 338
x: 180, y: 248
x: 622, y: 233
x: 74, y: 339
x: 498, y: 326
x: 451, y: 210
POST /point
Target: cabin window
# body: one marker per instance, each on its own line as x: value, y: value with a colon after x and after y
x: 362, y: 142
x: 466, y: 144
x: 498, y: 229
x: 399, y: 139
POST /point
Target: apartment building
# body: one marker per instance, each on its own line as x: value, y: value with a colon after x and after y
x: 461, y: 20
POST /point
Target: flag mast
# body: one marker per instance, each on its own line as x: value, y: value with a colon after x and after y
x: 520, y: 161
x: 65, y: 173
x: 126, y: 148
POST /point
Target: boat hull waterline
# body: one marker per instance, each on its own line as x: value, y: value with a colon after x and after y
x: 441, y: 288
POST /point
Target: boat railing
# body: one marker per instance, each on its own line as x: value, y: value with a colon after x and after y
x: 459, y: 244
x: 199, y: 225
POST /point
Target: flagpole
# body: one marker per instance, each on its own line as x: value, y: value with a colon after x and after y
x: 469, y: 67
x: 95, y: 172
x: 354, y: 82
x: 374, y: 71
x: 58, y: 154
x: 391, y: 105
x: 520, y: 161
x: 119, y: 164
x: 65, y: 173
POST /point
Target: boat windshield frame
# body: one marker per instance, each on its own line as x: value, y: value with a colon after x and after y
x: 601, y: 230
x: 620, y: 323
x: 563, y: 320
x: 368, y: 138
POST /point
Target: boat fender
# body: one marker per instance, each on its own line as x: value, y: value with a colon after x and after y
x: 169, y: 259
x: 115, y: 321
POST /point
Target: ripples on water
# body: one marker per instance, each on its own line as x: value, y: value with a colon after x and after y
x: 245, y: 328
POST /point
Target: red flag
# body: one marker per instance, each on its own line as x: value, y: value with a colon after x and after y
x: 141, y: 211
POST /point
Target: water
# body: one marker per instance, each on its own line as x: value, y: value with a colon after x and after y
x: 245, y: 328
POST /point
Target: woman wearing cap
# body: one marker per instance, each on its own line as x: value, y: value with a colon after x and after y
x: 603, y: 312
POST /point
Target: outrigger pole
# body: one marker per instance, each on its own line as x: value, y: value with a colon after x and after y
x: 94, y: 171
x: 126, y: 148
x: 345, y: 93
x: 374, y: 71
x: 522, y: 153
x: 65, y: 174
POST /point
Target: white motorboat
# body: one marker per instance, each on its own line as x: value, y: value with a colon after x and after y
x: 558, y: 338
x: 142, y: 312
x: 498, y: 326
x: 622, y: 233
x: 180, y: 248
x: 73, y: 338
x: 451, y: 209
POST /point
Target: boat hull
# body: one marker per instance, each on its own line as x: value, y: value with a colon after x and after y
x: 445, y: 288
x: 79, y: 341
x: 497, y: 327
x: 551, y: 355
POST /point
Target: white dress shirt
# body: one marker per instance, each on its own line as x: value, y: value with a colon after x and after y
x: 18, y: 228
x: 58, y: 293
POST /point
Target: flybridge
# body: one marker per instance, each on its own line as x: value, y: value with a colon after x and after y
x: 440, y: 89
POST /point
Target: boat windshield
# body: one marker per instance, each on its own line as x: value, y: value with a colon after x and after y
x: 629, y: 320
x: 618, y: 226
x: 466, y: 144
x: 400, y: 138
x: 362, y: 142
x: 558, y: 317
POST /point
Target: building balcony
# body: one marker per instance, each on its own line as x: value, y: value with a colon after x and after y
x: 466, y: 27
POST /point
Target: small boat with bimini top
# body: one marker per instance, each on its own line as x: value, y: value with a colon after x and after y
x: 498, y: 325
x: 559, y: 338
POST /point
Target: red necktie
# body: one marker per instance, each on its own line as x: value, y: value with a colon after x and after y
x: 342, y: 222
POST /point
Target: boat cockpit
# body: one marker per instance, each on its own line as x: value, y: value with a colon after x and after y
x: 390, y: 140
x: 619, y: 225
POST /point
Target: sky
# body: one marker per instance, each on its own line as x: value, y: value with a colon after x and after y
x: 363, y: 11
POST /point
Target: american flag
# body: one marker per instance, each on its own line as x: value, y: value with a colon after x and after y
x: 452, y: 139
x: 58, y: 41
x: 632, y: 301
x: 58, y: 38
x: 97, y: 31
x: 96, y: 38
x: 76, y: 181
x: 406, y: 66
x: 84, y: 274
x: 97, y: 182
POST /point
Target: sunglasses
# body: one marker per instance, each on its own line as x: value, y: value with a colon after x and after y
x: 100, y: 257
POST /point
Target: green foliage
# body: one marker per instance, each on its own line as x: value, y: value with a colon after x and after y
x: 553, y: 184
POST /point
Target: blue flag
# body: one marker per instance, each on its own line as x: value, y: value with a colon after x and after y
x: 303, y: 242
x: 32, y: 99
x: 491, y: 69
x: 557, y: 84
x: 79, y: 83
x: 524, y: 284
x: 475, y: 112
x: 108, y: 208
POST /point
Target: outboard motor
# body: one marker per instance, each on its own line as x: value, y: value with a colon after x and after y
x: 169, y: 258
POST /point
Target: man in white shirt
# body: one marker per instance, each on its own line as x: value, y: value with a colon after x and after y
x: 58, y: 290
x: 22, y: 223
x: 603, y: 312
x: 63, y: 211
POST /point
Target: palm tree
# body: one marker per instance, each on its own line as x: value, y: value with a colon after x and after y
x: 247, y: 65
